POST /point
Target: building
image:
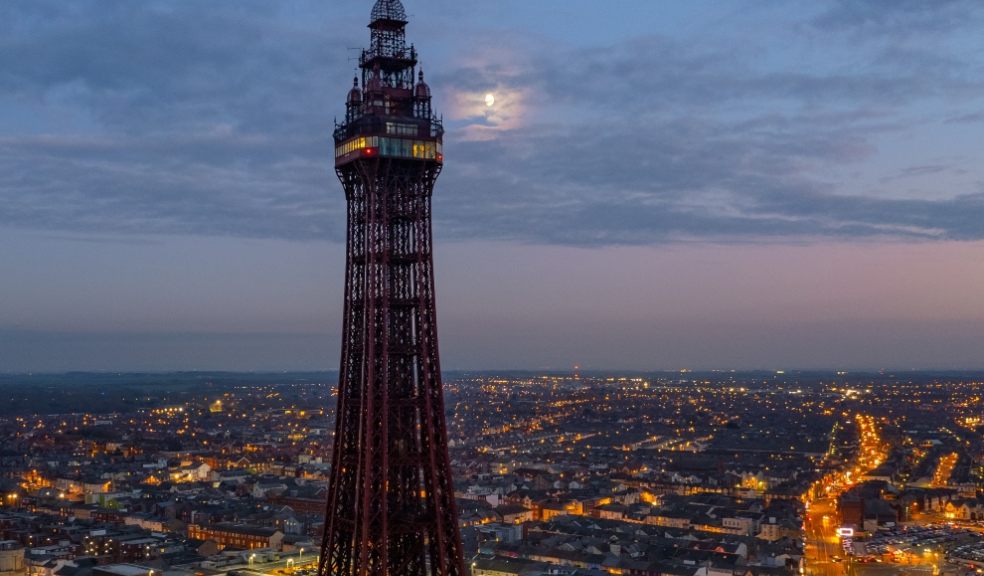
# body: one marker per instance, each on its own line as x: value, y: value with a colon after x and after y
x: 238, y: 536
x: 12, y: 559
x: 391, y: 498
x: 498, y: 566
x: 123, y: 570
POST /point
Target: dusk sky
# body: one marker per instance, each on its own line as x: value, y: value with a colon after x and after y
x: 661, y: 184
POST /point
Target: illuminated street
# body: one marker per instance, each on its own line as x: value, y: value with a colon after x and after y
x: 822, y: 543
x: 943, y: 471
x: 824, y: 553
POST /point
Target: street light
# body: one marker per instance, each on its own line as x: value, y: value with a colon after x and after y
x: 251, y: 558
x: 300, y: 554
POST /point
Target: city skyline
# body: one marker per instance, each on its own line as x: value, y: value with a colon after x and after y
x: 657, y: 187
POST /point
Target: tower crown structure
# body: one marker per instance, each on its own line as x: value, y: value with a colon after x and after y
x: 390, y: 116
x: 390, y: 508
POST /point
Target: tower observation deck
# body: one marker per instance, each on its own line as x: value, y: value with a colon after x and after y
x: 390, y: 508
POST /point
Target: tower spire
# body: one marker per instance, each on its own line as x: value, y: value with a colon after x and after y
x: 388, y: 45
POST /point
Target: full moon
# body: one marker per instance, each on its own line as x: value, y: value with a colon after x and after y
x: 489, y: 99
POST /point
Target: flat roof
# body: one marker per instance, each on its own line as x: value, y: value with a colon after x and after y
x: 125, y: 569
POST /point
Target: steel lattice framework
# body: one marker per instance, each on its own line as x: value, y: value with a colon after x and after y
x: 391, y: 508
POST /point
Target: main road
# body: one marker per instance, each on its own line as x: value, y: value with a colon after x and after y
x: 822, y: 546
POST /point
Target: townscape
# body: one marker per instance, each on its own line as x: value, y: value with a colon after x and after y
x: 277, y: 188
x: 688, y: 474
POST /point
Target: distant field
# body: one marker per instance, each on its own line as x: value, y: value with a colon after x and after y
x: 103, y: 393
x: 96, y: 393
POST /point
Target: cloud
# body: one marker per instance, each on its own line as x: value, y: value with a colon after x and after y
x: 894, y: 16
x: 222, y: 185
x: 211, y: 119
x: 215, y: 119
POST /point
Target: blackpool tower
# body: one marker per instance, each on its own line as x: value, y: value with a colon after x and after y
x: 391, y: 508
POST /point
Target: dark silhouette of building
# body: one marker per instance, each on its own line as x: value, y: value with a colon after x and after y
x: 391, y: 508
